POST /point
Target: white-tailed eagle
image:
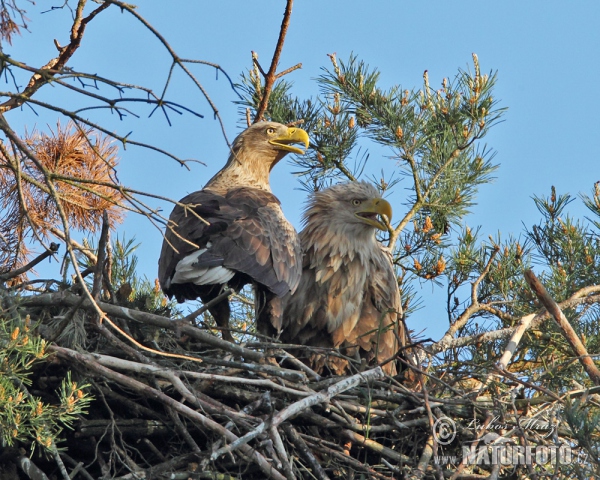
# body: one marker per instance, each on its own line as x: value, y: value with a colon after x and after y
x: 348, y: 296
x: 233, y: 230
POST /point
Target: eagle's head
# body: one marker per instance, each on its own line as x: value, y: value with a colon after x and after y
x: 356, y: 205
x: 270, y: 140
x: 255, y: 152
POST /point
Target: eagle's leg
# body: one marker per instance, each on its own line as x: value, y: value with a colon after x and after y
x: 220, y: 312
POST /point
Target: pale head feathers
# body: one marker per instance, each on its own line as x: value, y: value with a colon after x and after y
x: 332, y: 227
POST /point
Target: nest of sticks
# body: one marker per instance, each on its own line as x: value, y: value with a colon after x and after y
x: 174, y: 401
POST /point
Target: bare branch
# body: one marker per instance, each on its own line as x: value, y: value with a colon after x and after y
x: 15, y: 273
x: 566, y: 328
x: 271, y: 75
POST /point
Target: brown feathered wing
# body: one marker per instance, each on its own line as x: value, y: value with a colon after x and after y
x: 245, y: 231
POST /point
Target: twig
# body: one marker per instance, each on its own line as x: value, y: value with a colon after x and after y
x: 297, y: 407
x: 419, y: 471
x: 280, y: 449
x: 15, y: 273
x: 149, y: 392
x: 375, y: 446
x: 318, y: 443
x: 222, y: 296
x: 59, y: 462
x: 304, y: 451
x: 78, y: 467
x: 265, y: 399
x: 101, y: 258
x: 302, y: 366
x: 183, y: 431
x: 567, y: 330
x: 480, y: 434
x: 515, y: 378
x: 291, y: 375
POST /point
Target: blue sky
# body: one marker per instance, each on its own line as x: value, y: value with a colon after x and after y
x: 546, y: 55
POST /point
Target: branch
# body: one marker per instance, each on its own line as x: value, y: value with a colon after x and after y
x: 15, y: 273
x: 271, y: 75
x: 567, y: 330
x: 304, y: 451
x: 475, y: 305
x: 511, y: 347
x: 99, y: 268
x: 88, y: 361
x: 58, y: 63
x: 297, y: 407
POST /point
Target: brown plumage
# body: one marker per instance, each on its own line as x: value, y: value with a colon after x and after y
x: 348, y: 295
x: 241, y: 236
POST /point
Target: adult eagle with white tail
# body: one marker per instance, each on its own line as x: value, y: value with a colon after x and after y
x: 233, y: 231
x: 348, y: 296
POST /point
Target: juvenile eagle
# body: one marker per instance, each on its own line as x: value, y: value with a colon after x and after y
x: 233, y: 231
x: 348, y: 295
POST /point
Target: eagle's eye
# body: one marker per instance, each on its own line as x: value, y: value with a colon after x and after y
x: 270, y: 131
x: 356, y: 202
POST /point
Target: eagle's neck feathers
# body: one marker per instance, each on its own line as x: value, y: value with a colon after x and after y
x: 246, y: 167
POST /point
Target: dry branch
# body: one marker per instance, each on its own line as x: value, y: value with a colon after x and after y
x: 565, y: 326
x: 301, y: 405
x: 15, y: 273
x: 70, y: 299
x: 88, y: 361
x: 271, y: 75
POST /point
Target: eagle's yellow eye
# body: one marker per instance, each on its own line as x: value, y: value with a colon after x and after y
x: 270, y: 130
x: 356, y: 202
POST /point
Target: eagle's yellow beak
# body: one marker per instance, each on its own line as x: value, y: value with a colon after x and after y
x: 369, y: 210
x: 284, y: 140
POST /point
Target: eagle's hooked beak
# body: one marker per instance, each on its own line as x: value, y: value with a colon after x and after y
x: 293, y: 135
x: 369, y: 211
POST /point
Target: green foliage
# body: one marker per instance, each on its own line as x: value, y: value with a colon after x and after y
x: 432, y: 132
x: 583, y: 418
x: 567, y: 246
x: 25, y: 418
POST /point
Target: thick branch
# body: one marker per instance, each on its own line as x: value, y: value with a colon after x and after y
x: 566, y: 328
x: 68, y: 298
